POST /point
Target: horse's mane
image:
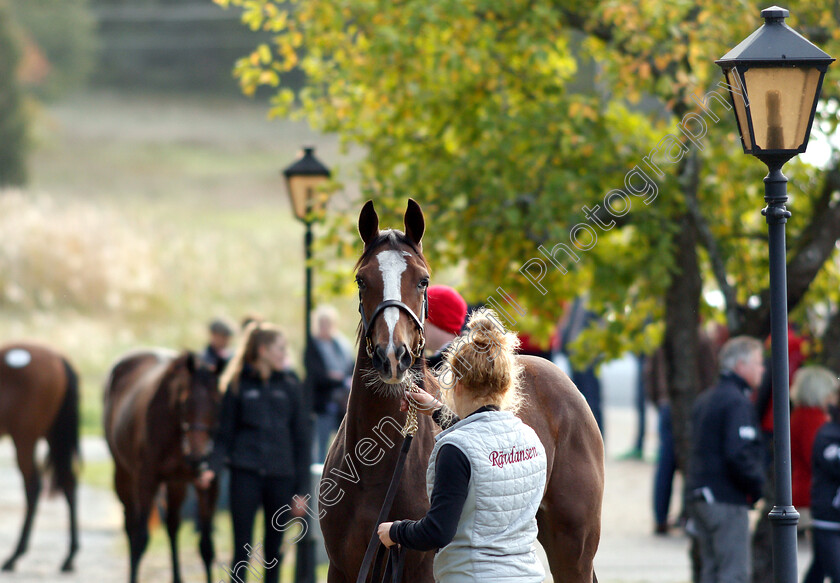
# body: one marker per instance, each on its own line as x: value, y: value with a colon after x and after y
x: 393, y: 238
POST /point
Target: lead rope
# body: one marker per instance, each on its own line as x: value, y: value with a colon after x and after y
x: 410, y: 428
x: 396, y: 555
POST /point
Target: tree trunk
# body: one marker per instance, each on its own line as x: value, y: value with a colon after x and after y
x: 682, y: 315
x: 682, y: 304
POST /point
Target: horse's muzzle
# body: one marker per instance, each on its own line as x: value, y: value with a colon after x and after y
x: 392, y: 367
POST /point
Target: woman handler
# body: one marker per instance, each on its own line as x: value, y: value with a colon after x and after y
x: 487, y: 471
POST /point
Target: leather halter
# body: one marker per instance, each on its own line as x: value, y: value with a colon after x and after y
x: 418, y: 323
x: 187, y: 428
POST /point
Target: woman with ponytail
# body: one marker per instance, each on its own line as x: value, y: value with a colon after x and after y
x: 261, y: 437
x: 487, y: 471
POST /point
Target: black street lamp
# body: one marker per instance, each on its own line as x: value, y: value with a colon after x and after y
x: 304, y: 181
x: 775, y: 76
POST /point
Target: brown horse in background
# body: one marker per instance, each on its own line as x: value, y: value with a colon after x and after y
x: 39, y: 397
x: 160, y: 416
x: 392, y: 275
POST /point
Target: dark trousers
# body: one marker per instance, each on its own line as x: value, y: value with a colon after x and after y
x: 589, y: 385
x: 248, y: 491
x: 826, y: 561
x: 641, y: 405
x: 665, y: 467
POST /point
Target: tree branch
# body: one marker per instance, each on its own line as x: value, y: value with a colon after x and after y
x: 691, y: 178
x: 815, y: 245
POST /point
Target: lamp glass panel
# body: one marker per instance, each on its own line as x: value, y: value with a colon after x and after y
x: 781, y: 99
x: 306, y: 199
x: 740, y: 109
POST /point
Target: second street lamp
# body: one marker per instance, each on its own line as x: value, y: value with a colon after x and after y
x: 775, y: 76
x: 305, y: 179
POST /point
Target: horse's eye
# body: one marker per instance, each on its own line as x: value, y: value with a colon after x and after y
x: 360, y: 282
x: 424, y: 283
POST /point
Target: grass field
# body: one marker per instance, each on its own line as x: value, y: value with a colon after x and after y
x: 145, y: 217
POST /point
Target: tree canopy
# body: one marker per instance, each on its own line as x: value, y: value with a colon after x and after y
x: 521, y: 126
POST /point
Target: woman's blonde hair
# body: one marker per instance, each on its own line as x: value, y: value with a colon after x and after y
x: 483, y: 361
x: 256, y: 334
x: 813, y: 385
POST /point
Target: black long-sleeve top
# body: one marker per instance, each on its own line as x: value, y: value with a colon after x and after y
x: 452, y: 482
x: 262, y: 427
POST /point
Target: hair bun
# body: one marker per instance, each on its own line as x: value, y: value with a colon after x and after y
x: 483, y: 361
x: 485, y: 331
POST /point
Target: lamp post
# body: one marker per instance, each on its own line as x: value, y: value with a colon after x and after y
x: 304, y: 178
x: 775, y: 76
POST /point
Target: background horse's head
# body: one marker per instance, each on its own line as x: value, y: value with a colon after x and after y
x: 195, y: 392
x: 393, y: 277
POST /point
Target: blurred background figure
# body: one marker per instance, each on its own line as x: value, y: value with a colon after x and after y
x: 574, y: 321
x: 812, y: 391
x: 798, y: 348
x: 329, y: 366
x: 531, y: 346
x: 637, y: 451
x: 825, y: 494
x: 726, y: 474
x: 447, y: 312
x: 262, y: 438
x: 217, y: 353
x: 655, y: 374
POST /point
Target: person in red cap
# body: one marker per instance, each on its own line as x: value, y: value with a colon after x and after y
x: 447, y: 312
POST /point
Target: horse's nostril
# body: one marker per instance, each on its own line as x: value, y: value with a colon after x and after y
x: 403, y: 359
x: 380, y: 361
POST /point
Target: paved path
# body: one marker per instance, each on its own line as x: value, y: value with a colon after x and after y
x: 629, y: 552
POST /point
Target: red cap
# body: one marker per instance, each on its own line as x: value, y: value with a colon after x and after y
x: 447, y: 309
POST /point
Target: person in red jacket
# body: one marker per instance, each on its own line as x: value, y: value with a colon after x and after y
x: 813, y: 387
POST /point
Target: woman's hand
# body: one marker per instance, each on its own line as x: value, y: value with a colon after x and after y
x: 384, y: 532
x: 205, y: 479
x: 426, y: 404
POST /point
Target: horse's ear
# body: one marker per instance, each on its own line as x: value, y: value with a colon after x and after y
x: 368, y: 223
x: 191, y: 362
x: 415, y: 223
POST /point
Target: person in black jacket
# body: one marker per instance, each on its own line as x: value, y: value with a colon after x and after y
x: 726, y: 473
x: 261, y: 436
x: 216, y: 355
x: 825, y: 500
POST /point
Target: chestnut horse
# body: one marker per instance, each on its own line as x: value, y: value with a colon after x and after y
x: 39, y: 397
x: 160, y: 416
x: 392, y: 276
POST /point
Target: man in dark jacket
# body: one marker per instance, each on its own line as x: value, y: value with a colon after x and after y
x: 217, y: 354
x: 726, y: 474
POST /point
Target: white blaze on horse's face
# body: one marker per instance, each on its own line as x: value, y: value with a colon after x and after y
x: 392, y: 265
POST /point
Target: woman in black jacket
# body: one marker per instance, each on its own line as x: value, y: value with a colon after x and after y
x: 261, y: 437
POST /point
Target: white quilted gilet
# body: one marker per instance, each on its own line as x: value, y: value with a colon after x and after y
x: 495, y: 538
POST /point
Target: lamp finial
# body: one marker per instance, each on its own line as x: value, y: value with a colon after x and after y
x: 774, y: 14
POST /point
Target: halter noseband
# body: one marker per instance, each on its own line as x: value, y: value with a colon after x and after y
x: 418, y: 323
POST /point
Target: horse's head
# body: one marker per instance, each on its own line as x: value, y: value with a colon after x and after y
x: 195, y: 390
x: 392, y: 276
